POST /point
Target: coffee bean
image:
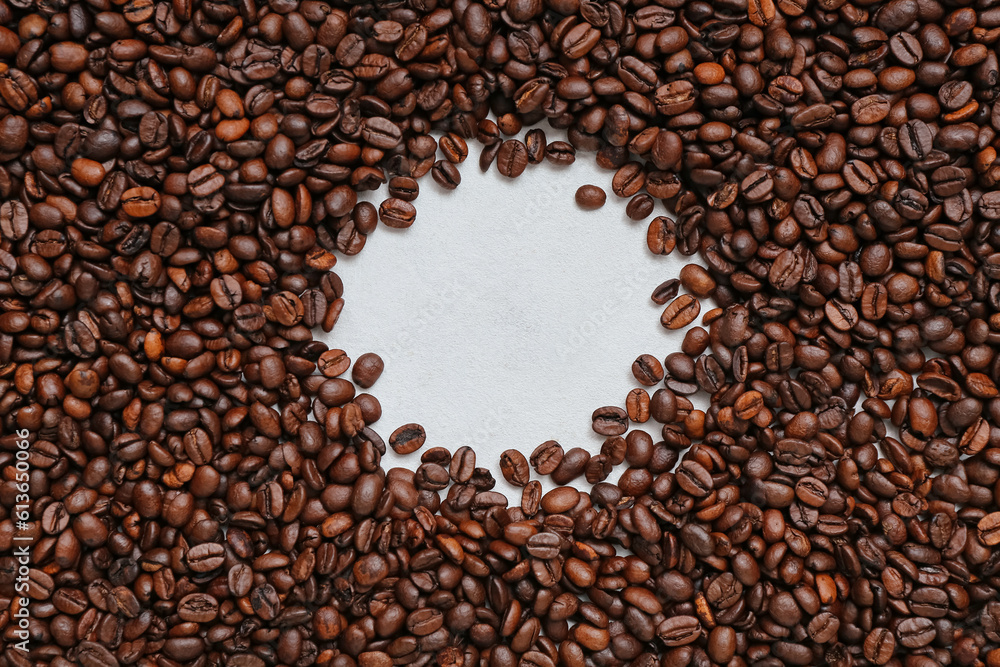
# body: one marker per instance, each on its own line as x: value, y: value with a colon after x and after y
x: 665, y: 291
x: 463, y: 464
x: 514, y: 467
x: 590, y: 197
x: 647, y: 370
x: 639, y: 207
x: 512, y: 158
x: 396, y: 213
x: 367, y: 370
x: 531, y: 498
x: 198, y: 608
x: 403, y: 187
x: 661, y: 237
x: 694, y: 478
x: 697, y: 280
x: 140, y: 202
x: 573, y: 464
x: 407, y: 439
x: 547, y: 457
x: 488, y: 154
x: 446, y: 174
x: 879, y: 646
x: 610, y: 420
x: 681, y: 312
x: 560, y: 153
x: 989, y: 529
x: 13, y: 220
x: 205, y: 557
x: 915, y: 632
x: 679, y: 630
x: 535, y: 144
x: 91, y: 654
x: 381, y: 133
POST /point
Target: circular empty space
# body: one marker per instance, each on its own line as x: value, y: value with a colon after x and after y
x: 506, y: 314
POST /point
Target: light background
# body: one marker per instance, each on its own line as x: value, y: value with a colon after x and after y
x: 506, y: 314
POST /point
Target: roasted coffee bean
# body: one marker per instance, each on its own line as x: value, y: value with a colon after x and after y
x: 647, y: 370
x: 547, y: 457
x: 681, y: 312
x: 446, y: 174
x: 989, y: 529
x: 397, y: 213
x: 665, y: 291
x: 13, y: 220
x: 463, y: 464
x: 610, y: 420
x: 512, y: 158
x: 91, y: 654
x: 514, y: 467
x: 879, y: 646
x: 140, y: 202
x: 589, y: 197
x: 205, y: 557
x: 694, y: 478
x: 534, y: 142
x: 560, y: 153
x: 679, y: 631
x: 403, y: 187
x: 915, y: 632
x: 407, y: 438
x: 367, y: 370
x: 198, y: 608
x: 573, y: 464
x: 661, y: 237
x: 641, y: 206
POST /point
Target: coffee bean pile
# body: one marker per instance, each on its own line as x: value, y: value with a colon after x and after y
x: 206, y: 487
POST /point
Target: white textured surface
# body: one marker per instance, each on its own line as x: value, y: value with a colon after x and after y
x: 506, y: 314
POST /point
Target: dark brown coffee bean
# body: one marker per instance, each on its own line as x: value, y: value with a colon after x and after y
x: 198, y: 608
x: 573, y: 464
x: 610, y: 420
x: 647, y: 370
x: 989, y: 529
x: 560, y: 153
x: 514, y: 467
x: 381, y: 133
x: 665, y: 291
x: 205, y: 557
x: 547, y: 457
x: 535, y: 143
x: 367, y: 370
x: 446, y: 174
x: 589, y: 197
x: 679, y: 630
x: 681, y: 312
x: 91, y: 654
x: 403, y: 187
x: 694, y: 478
x: 512, y: 158
x: 879, y: 646
x: 641, y: 206
x: 463, y: 464
x: 13, y: 220
x: 396, y: 213
x: 915, y: 632
x: 407, y: 439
